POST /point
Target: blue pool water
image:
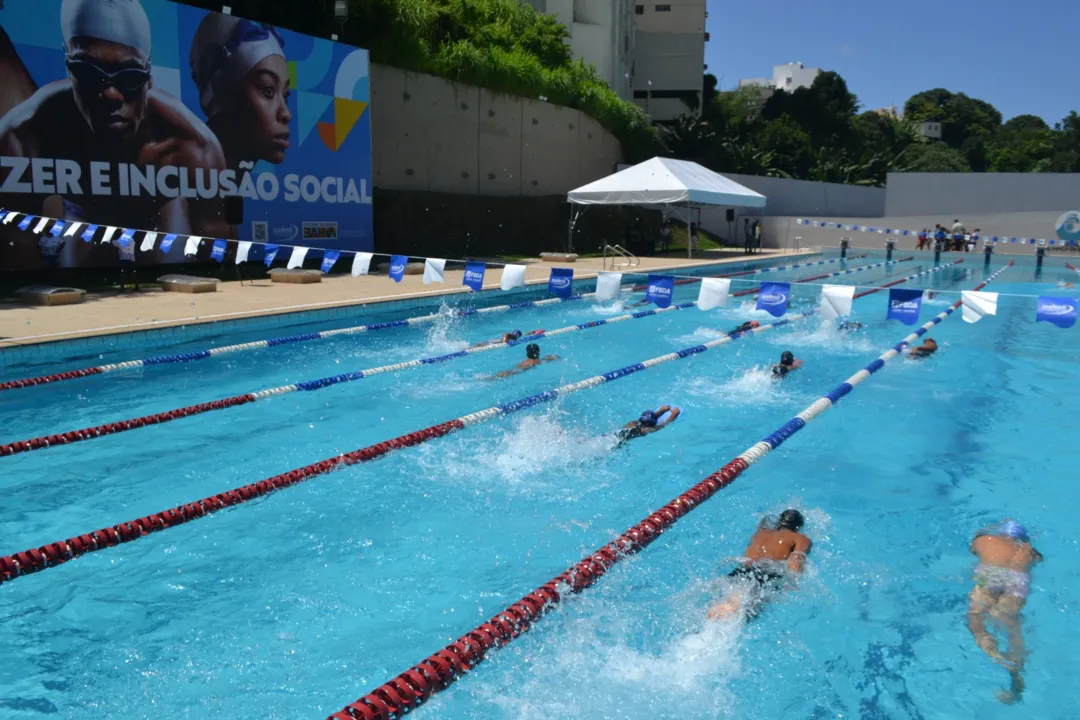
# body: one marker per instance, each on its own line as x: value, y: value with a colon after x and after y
x: 298, y: 603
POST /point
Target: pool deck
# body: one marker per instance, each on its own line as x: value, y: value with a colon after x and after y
x: 111, y: 313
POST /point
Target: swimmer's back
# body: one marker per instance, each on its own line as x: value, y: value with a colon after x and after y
x: 769, y: 544
x: 1005, y: 553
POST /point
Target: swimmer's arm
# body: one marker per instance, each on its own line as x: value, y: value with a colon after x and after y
x: 671, y: 418
x: 796, y: 365
x: 1037, y: 556
x: 549, y: 358
x: 797, y: 559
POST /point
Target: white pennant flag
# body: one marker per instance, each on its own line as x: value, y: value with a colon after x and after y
x: 978, y: 304
x: 433, y: 270
x: 191, y: 247
x: 836, y: 300
x: 72, y: 229
x: 513, y: 276
x: 242, y: 250
x: 9, y: 217
x: 40, y: 227
x: 714, y: 293
x: 148, y: 241
x: 108, y: 236
x: 361, y: 264
x: 297, y: 258
x: 608, y: 285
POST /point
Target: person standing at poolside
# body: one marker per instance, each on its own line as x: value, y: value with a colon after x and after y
x: 1002, y: 585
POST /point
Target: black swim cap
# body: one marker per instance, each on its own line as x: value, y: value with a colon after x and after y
x: 790, y: 520
x: 532, y: 351
x: 786, y: 358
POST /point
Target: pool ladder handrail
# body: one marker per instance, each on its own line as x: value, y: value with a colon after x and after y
x: 618, y: 251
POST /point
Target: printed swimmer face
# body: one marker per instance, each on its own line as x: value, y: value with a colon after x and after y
x: 259, y: 114
x: 111, y: 84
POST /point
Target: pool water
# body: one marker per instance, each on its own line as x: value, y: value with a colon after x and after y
x: 298, y: 603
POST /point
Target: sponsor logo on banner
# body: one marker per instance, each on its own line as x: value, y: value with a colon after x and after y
x: 659, y: 290
x: 474, y: 276
x: 1057, y: 311
x: 397, y: 268
x: 773, y: 298
x: 904, y: 305
x: 560, y: 283
x: 285, y: 233
x: 260, y: 231
x: 320, y: 231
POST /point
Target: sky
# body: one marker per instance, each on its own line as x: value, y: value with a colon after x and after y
x: 1022, y: 57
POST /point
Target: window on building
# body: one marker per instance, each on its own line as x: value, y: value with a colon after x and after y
x: 663, y: 8
x: 639, y: 9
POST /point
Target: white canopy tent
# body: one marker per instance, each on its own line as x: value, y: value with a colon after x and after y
x: 664, y: 182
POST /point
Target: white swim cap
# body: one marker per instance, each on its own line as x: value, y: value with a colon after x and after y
x: 119, y: 21
x: 223, y: 50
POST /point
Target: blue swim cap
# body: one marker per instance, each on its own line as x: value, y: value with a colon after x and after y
x: 1014, y: 530
x: 648, y: 418
x: 515, y: 333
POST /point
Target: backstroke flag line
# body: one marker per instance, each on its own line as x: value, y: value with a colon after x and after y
x: 608, y: 286
x: 773, y: 298
x: 836, y: 300
x: 904, y: 305
x: 1060, y: 311
x: 714, y: 293
x: 976, y: 305
x: 513, y: 276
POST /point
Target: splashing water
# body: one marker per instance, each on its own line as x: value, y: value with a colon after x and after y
x: 752, y: 387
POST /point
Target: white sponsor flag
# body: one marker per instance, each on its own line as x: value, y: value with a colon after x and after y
x: 433, y: 270
x: 714, y: 293
x: 72, y: 229
x: 40, y: 227
x: 108, y: 236
x: 242, y: 250
x: 513, y: 276
x: 297, y: 258
x: 191, y: 247
x: 978, y: 304
x: 361, y: 264
x: 148, y: 241
x: 10, y: 216
x: 608, y: 285
x: 836, y: 300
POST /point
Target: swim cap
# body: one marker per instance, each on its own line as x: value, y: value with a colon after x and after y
x: 532, y: 351
x: 515, y: 334
x: 790, y: 520
x: 1014, y: 530
x: 223, y: 50
x: 123, y: 22
x: 648, y: 418
x: 786, y: 358
x: 754, y: 324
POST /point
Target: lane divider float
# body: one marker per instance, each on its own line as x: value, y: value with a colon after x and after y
x: 56, y: 553
x: 73, y: 436
x: 412, y: 688
x: 850, y: 271
x: 688, y: 281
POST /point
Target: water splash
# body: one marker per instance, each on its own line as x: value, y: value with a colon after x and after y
x: 752, y: 387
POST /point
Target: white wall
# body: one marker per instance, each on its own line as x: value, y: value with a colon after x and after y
x: 959, y: 194
x: 791, y: 77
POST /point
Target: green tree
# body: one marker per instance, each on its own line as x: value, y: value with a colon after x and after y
x: 935, y: 157
x: 962, y: 117
x: 790, y: 145
x: 824, y: 110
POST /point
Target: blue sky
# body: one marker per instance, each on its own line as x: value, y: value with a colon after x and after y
x: 1022, y: 57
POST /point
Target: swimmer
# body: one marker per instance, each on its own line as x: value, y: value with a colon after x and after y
x: 928, y: 348
x: 1065, y: 285
x: 649, y: 422
x: 849, y: 326
x: 930, y: 294
x: 506, y: 338
x: 1002, y: 585
x: 532, y: 359
x: 745, y: 327
x: 787, y: 363
x: 774, y: 555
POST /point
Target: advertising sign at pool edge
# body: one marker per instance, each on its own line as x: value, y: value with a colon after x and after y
x: 561, y: 282
x: 773, y: 298
x: 904, y: 305
x: 660, y: 289
x: 1060, y: 311
x: 213, y: 106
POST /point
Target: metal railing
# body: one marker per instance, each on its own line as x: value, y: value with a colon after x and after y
x: 619, y: 254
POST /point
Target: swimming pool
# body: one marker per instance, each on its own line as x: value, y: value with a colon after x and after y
x: 300, y: 602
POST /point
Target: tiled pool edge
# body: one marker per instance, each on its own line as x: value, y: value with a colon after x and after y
x: 58, y: 350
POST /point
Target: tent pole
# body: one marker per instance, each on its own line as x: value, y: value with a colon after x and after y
x: 689, y: 240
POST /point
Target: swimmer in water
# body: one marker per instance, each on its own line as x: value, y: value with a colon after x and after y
x: 506, y: 338
x: 928, y: 348
x: 1065, y: 285
x: 532, y: 359
x: 849, y: 326
x: 649, y: 422
x: 745, y: 327
x: 787, y: 363
x: 1002, y: 585
x: 775, y: 554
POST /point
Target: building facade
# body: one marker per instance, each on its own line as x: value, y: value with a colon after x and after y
x: 788, y: 77
x: 601, y: 34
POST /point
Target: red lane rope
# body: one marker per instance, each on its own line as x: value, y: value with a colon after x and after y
x: 45, y: 379
x: 890, y: 284
x: 57, y: 553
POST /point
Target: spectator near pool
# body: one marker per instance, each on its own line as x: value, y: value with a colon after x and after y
x: 1002, y: 585
x: 928, y: 348
x: 776, y: 553
x: 958, y: 233
x: 649, y: 422
x: 532, y: 359
x: 787, y: 363
x: 924, y: 240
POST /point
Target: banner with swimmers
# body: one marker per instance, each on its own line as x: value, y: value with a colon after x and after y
x: 154, y: 115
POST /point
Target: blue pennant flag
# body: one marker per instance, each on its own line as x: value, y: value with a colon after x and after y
x: 561, y: 282
x: 166, y: 243
x: 773, y: 298
x: 328, y: 259
x: 904, y: 305
x: 1058, y: 311
x: 57, y: 228
x: 127, y: 237
x: 660, y: 289
x: 474, y: 275
x: 88, y: 233
x: 25, y: 222
x: 397, y: 267
x: 218, y: 253
x: 270, y: 252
